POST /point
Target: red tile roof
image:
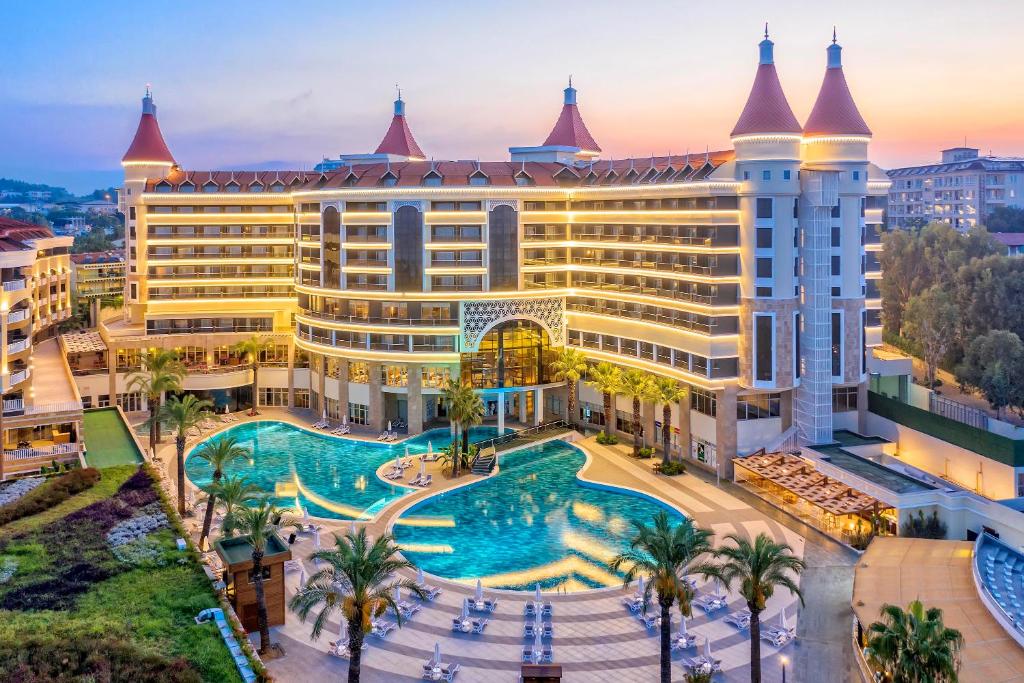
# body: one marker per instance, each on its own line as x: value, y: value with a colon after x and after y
x: 148, y: 144
x: 835, y: 112
x: 570, y: 131
x: 14, y: 235
x: 767, y: 109
x: 399, y: 140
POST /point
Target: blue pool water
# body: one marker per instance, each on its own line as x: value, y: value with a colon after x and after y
x: 532, y: 522
x: 328, y: 476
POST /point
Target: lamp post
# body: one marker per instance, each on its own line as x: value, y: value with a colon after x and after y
x: 785, y: 660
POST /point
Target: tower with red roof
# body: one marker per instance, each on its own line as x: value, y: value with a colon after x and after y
x: 399, y: 143
x: 569, y: 141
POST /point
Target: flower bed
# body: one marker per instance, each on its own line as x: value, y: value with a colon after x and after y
x: 49, y: 494
x: 18, y: 488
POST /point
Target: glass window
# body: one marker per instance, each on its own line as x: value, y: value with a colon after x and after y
x: 766, y: 175
x: 764, y: 267
x: 764, y: 366
x: 837, y: 344
x: 764, y: 207
x: 764, y: 238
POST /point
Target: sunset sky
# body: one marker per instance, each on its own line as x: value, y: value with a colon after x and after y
x: 254, y: 84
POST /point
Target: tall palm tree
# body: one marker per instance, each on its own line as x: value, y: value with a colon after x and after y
x: 233, y: 495
x: 637, y: 385
x: 161, y: 372
x: 665, y: 554
x: 669, y: 392
x: 465, y: 409
x: 252, y: 348
x: 257, y: 523
x: 759, y: 568
x: 569, y: 366
x: 182, y: 414
x: 914, y: 645
x: 218, y: 454
x: 606, y: 378
x: 356, y: 583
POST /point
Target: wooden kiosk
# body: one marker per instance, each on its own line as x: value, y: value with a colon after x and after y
x: 236, y: 554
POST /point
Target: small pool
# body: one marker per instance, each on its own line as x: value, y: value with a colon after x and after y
x: 328, y: 476
x: 533, y: 522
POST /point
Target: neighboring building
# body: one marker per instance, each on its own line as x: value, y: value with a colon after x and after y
x: 1013, y: 241
x: 749, y: 274
x: 99, y: 206
x: 41, y: 416
x: 96, y: 277
x: 960, y: 190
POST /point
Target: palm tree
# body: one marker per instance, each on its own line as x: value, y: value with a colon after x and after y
x: 253, y: 347
x: 234, y: 494
x: 161, y: 372
x: 914, y: 645
x: 355, y: 583
x: 606, y: 378
x: 759, y: 567
x: 256, y: 523
x: 183, y: 414
x: 218, y: 454
x: 638, y: 386
x: 666, y: 554
x: 669, y: 392
x: 569, y: 366
x: 465, y: 409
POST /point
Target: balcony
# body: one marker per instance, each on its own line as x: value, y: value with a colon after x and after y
x: 17, y: 377
x: 217, y: 378
x: 19, y: 315
x: 14, y: 285
x: 17, y: 346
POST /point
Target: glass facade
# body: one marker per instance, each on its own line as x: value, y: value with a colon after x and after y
x: 512, y: 354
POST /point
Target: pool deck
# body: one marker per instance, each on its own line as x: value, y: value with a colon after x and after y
x: 596, y: 639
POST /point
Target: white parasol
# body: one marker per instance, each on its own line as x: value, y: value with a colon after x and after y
x: 352, y: 525
x: 536, y: 595
x: 682, y: 624
x: 538, y: 619
x: 420, y: 580
x: 343, y: 633
x: 423, y: 467
x: 783, y: 622
x: 398, y: 594
x: 430, y: 448
x: 707, y: 649
x: 437, y: 654
x: 389, y: 425
x: 640, y: 587
x: 479, y: 591
x: 316, y: 538
x: 302, y: 578
x: 344, y: 420
x: 718, y: 589
x: 305, y: 516
x: 538, y: 645
x: 465, y: 608
x: 406, y: 450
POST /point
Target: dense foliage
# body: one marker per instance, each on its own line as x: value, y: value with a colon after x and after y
x: 48, y: 495
x: 919, y: 526
x: 41, y: 659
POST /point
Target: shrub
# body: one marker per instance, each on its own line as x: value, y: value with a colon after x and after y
x: 671, y: 468
x: 50, y: 494
x: 607, y: 439
x: 44, y: 659
x: 645, y: 452
x: 922, y: 527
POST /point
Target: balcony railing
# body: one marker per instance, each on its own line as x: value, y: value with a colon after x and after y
x: 14, y: 285
x: 18, y: 315
x: 16, y: 406
x: 43, y: 451
x: 19, y: 376
x: 379, y: 320
x: 18, y: 346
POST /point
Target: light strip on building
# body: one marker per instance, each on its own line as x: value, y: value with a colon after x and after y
x: 381, y: 329
x: 383, y: 356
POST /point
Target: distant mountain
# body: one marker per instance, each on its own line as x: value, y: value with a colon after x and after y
x: 21, y: 187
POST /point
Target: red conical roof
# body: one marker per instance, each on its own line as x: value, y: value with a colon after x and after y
x: 399, y: 140
x: 569, y: 130
x: 148, y: 144
x: 835, y: 112
x: 767, y: 109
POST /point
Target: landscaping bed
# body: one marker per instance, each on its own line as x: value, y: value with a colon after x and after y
x: 95, y: 589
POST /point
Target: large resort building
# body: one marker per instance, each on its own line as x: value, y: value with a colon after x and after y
x: 749, y: 274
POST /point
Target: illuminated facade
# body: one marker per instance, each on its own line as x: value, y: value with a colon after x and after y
x: 749, y: 273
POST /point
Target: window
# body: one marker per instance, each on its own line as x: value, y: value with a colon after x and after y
x: 837, y: 264
x: 764, y: 238
x: 796, y: 346
x: 765, y: 207
x: 837, y: 236
x: 273, y: 396
x: 837, y: 344
x: 766, y: 175
x: 703, y: 401
x: 758, y: 406
x: 863, y: 342
x: 764, y: 352
x: 763, y: 292
x: 844, y: 399
x: 786, y: 175
x: 358, y: 413
x: 764, y: 267
x: 836, y: 211
x: 478, y: 179
x: 856, y: 175
x: 746, y: 175
x: 131, y: 402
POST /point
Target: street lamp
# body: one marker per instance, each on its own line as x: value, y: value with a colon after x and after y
x: 785, y: 660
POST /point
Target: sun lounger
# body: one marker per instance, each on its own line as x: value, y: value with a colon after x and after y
x: 546, y: 609
x: 430, y: 592
x: 458, y: 626
x: 683, y: 642
x: 633, y: 604
x: 528, y: 654
x: 449, y: 673
x: 529, y: 630
x: 546, y: 654
x: 382, y: 628
x: 709, y: 603
x: 648, y: 621
x: 529, y: 610
x: 426, y: 481
x: 479, y: 625
x: 415, y: 481
x: 740, y: 620
x: 548, y: 631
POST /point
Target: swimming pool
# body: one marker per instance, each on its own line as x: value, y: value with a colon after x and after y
x: 533, y: 522
x: 328, y: 476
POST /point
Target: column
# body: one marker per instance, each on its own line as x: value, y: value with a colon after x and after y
x: 321, y: 383
x: 538, y: 406
x: 523, y: 417
x: 377, y: 419
x: 414, y: 401
x: 862, y: 407
x: 343, y: 387
x: 648, y: 412
x: 291, y: 372
x: 725, y: 430
x: 501, y: 412
x: 684, y: 428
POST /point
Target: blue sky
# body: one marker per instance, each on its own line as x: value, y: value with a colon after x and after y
x: 246, y: 84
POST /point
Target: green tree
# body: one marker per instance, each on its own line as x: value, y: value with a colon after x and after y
x: 465, y: 409
x: 669, y: 392
x: 357, y: 583
x: 665, y: 554
x: 637, y: 385
x: 606, y: 378
x: 161, y: 372
x: 252, y: 348
x: 1005, y: 219
x: 759, y: 568
x: 568, y: 367
x: 218, y: 454
x: 931, y: 320
x: 994, y: 365
x: 914, y: 645
x: 257, y: 524
x: 988, y: 293
x: 233, y: 495
x: 182, y: 414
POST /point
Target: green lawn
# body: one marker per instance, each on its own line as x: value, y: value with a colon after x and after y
x: 108, y: 440
x: 138, y: 621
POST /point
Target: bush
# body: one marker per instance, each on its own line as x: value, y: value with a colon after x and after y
x: 50, y: 494
x: 921, y: 527
x: 41, y: 660
x: 671, y: 468
x: 645, y: 452
x: 607, y: 439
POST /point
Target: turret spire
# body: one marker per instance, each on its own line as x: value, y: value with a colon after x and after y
x: 835, y: 112
x: 399, y: 140
x: 148, y: 145
x: 569, y: 129
x: 767, y: 110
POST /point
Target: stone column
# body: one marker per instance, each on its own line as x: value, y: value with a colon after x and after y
x: 343, y: 387
x: 501, y: 412
x: 786, y: 409
x: 538, y: 406
x: 725, y: 430
x: 684, y: 428
x: 648, y: 412
x: 414, y: 401
x: 322, y: 383
x: 291, y: 372
x: 862, y: 407
x: 523, y: 417
x: 376, y: 408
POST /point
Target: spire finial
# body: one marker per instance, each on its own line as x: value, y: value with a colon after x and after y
x: 766, y: 30
x: 570, y: 80
x: 149, y: 90
x: 399, y: 89
x: 833, y: 35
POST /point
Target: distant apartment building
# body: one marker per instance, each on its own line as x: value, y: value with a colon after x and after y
x: 1012, y: 241
x: 40, y: 421
x: 960, y: 190
x: 96, y: 277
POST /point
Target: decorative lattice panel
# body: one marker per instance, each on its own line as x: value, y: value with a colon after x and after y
x: 480, y: 316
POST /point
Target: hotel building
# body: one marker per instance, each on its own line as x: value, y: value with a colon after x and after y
x: 749, y: 274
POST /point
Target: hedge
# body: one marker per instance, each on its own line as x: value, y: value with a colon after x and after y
x: 52, y: 493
